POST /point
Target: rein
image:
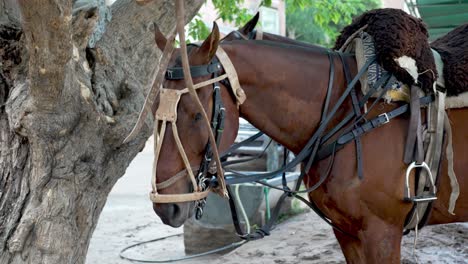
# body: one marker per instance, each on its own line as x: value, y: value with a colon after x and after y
x: 316, y: 149
x: 307, y: 150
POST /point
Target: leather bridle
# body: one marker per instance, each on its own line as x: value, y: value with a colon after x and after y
x: 167, y: 113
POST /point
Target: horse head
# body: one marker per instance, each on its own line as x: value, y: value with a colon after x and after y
x: 183, y: 163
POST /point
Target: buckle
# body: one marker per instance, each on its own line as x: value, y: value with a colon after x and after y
x: 386, y: 118
x: 169, y: 74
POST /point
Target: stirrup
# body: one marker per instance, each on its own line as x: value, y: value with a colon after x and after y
x: 421, y: 198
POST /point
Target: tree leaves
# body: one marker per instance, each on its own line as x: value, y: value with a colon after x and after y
x: 316, y: 22
x: 319, y: 22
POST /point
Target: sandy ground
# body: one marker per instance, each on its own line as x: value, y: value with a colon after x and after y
x: 128, y: 218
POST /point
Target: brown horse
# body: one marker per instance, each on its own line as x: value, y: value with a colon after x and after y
x: 286, y: 87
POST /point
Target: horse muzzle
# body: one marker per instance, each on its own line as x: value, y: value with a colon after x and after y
x: 174, y: 214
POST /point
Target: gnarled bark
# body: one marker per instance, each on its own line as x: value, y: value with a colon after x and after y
x: 64, y: 112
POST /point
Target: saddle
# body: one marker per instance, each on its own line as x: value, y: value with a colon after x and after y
x: 424, y: 142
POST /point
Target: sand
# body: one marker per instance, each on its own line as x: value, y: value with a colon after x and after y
x: 128, y: 218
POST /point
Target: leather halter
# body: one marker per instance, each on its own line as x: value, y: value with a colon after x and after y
x: 167, y: 113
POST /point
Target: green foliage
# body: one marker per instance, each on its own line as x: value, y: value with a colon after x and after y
x: 314, y: 21
x: 197, y: 30
x: 228, y: 10
x: 319, y: 22
x: 231, y: 11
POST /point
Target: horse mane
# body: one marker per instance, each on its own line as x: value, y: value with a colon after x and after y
x: 396, y: 34
x: 453, y: 48
x: 287, y: 46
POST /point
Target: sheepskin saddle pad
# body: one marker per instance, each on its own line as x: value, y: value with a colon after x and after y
x: 401, y: 45
x: 453, y: 49
x: 408, y: 55
x: 364, y: 50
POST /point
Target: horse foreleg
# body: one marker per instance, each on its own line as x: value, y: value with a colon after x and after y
x: 381, y: 241
x: 351, y: 247
x: 377, y: 242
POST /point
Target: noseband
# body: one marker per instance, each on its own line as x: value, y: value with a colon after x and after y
x: 167, y: 113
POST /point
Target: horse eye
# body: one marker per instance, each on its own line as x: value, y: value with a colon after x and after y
x: 198, y: 116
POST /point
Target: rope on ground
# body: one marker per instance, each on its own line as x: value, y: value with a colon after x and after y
x: 216, y: 250
x: 209, y: 252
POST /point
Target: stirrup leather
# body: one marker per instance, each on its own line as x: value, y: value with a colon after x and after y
x: 431, y: 196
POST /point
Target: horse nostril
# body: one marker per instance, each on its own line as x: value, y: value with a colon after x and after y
x: 171, y: 214
x: 175, y: 210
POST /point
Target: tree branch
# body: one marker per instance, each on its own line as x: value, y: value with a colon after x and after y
x: 126, y: 57
x: 72, y: 106
x: 47, y: 29
x: 131, y: 26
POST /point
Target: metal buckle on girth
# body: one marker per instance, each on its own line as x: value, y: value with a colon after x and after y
x: 385, y: 115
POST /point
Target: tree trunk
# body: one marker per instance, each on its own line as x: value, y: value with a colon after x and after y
x: 64, y: 112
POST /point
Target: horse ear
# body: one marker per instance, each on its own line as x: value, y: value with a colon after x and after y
x: 159, y: 37
x: 250, y: 26
x: 208, y: 49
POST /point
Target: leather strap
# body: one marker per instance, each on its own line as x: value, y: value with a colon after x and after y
x: 265, y: 229
x: 382, y: 81
x: 357, y: 113
x: 177, y: 73
x: 237, y: 90
x: 181, y: 174
x: 178, y: 198
x: 240, y: 144
x: 436, y: 119
x: 217, y: 128
x: 451, y: 172
x: 413, y: 138
x: 306, y: 151
x: 331, y: 80
x: 376, y: 122
x: 154, y: 90
x: 314, y: 141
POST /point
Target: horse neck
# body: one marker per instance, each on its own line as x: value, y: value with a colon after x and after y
x: 286, y: 40
x: 285, y: 93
